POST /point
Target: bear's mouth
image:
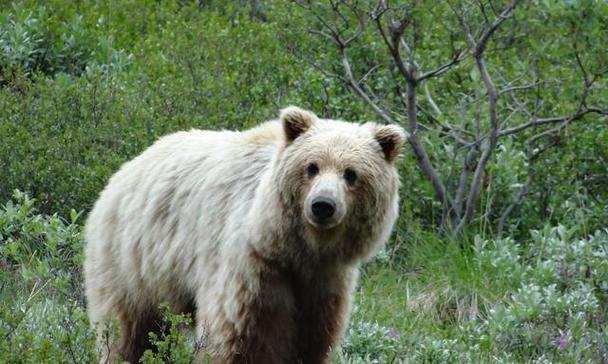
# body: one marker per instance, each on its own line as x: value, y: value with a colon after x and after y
x: 322, y: 225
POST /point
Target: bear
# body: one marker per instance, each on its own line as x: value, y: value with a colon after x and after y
x: 258, y: 234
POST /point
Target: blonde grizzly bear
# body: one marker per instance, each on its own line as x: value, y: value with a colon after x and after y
x: 259, y: 234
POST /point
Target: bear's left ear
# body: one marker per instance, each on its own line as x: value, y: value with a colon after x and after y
x: 296, y: 121
x: 391, y: 138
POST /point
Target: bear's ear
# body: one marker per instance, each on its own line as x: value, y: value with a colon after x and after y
x: 296, y: 121
x: 391, y: 138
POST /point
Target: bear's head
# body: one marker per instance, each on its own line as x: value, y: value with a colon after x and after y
x: 338, y: 183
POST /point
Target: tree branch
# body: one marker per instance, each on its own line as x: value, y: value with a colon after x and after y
x: 487, y: 148
x: 350, y: 79
x: 485, y: 36
x: 552, y: 120
x: 444, y: 68
x: 467, y: 168
x: 422, y: 157
x: 518, y: 88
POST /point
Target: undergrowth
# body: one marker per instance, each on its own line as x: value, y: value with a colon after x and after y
x: 543, y: 300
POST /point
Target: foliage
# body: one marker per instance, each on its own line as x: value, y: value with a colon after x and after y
x: 42, y: 318
x: 171, y: 67
x: 174, y: 345
x: 137, y: 70
x: 85, y: 87
x: 494, y: 301
x: 470, y: 79
x: 371, y: 342
x: 32, y: 41
x: 499, y: 301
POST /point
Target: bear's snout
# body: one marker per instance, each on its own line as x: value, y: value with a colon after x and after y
x: 325, y: 206
x: 323, y: 209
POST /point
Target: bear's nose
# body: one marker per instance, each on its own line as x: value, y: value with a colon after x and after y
x: 323, y: 208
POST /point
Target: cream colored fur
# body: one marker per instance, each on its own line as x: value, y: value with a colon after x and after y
x: 217, y: 220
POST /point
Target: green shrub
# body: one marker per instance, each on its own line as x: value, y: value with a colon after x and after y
x: 42, y: 318
x: 176, y: 344
x: 370, y: 342
x: 172, y: 67
x: 495, y: 301
x: 116, y: 76
x: 30, y: 43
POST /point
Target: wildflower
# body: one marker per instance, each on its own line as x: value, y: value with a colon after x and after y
x: 561, y: 344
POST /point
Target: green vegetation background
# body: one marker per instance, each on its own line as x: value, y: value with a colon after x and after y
x: 85, y: 86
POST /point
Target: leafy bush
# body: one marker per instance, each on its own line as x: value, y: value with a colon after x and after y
x: 42, y: 318
x: 499, y: 301
x: 85, y: 88
x: 370, y: 342
x: 116, y: 76
x: 176, y: 344
x: 29, y: 44
x: 172, y: 67
x: 558, y: 311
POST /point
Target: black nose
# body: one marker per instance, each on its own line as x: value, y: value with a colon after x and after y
x: 323, y: 208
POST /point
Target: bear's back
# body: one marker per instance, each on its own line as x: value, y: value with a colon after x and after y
x: 172, y: 208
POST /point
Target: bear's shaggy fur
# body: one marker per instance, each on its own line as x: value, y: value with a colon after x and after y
x: 259, y: 234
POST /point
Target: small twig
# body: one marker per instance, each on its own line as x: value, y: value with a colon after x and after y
x: 580, y: 65
x: 318, y: 32
x: 444, y: 68
x: 368, y: 73
x: 350, y: 80
x: 429, y: 98
x: 519, y: 88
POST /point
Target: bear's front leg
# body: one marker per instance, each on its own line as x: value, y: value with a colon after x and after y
x: 253, y: 320
x: 264, y: 336
x: 321, y: 329
x: 324, y: 317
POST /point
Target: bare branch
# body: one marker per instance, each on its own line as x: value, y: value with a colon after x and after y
x: 519, y: 88
x: 489, y: 146
x: 321, y: 33
x: 429, y: 98
x: 580, y: 65
x: 350, y: 80
x: 483, y: 11
x: 467, y: 169
x: 422, y: 157
x: 360, y: 20
x: 597, y: 110
x: 444, y: 68
x: 552, y: 120
x: 368, y: 73
x: 485, y: 36
x: 396, y: 32
x: 446, y: 129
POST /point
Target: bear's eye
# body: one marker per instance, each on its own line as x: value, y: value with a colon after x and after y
x: 350, y: 176
x: 312, y: 170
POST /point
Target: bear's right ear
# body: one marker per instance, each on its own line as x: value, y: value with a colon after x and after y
x: 296, y: 121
